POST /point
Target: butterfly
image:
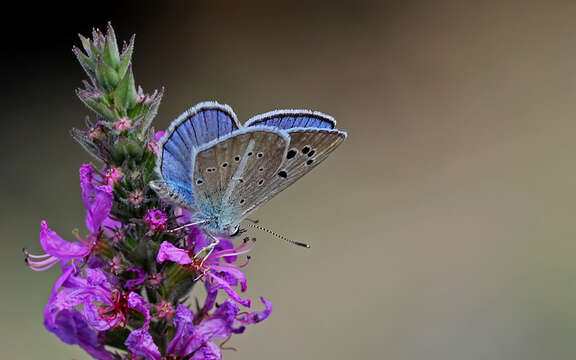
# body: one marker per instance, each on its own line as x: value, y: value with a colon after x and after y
x: 223, y: 171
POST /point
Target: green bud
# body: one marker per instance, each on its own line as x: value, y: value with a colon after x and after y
x: 152, y: 110
x: 87, y: 64
x: 106, y: 76
x: 126, y: 57
x: 86, y: 45
x: 87, y: 144
x: 111, y: 55
x: 126, y: 150
x: 125, y: 94
x: 95, y: 105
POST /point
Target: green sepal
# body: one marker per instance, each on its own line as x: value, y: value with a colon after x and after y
x: 126, y: 57
x: 87, y: 64
x: 125, y: 94
x: 111, y: 55
x: 152, y: 110
x: 86, y: 45
x: 106, y: 76
x: 99, y: 108
x: 88, y: 145
x: 126, y: 149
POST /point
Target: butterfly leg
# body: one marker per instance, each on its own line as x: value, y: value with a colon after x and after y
x: 209, y: 248
x: 188, y: 225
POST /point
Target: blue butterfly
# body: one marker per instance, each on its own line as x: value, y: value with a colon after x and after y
x: 223, y: 171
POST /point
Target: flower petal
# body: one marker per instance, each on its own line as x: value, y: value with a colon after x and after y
x: 138, y: 303
x: 211, y: 295
x: 99, y: 208
x: 256, y: 316
x: 172, y: 253
x: 223, y: 284
x: 219, y: 325
x: 210, y: 351
x: 93, y: 317
x: 140, y: 342
x: 72, y: 329
x: 95, y: 277
x: 234, y: 273
x: 54, y: 245
x: 184, y: 323
x: 159, y: 135
x: 140, y: 277
x: 86, y: 183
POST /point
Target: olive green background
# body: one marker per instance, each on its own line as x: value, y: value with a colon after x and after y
x: 442, y: 228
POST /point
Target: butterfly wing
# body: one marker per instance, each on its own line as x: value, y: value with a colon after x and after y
x: 231, y: 173
x: 197, y: 126
x: 307, y: 148
x: 287, y: 119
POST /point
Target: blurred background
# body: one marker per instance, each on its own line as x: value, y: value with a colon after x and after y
x: 443, y: 227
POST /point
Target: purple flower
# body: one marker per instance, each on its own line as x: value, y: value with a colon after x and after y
x: 72, y: 329
x: 156, y: 220
x: 153, y: 145
x: 138, y: 280
x: 164, y: 310
x: 103, y: 306
x: 123, y: 124
x: 196, y: 334
x: 215, y: 268
x: 113, y: 175
x: 98, y: 202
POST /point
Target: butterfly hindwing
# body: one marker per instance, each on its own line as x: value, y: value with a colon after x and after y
x: 230, y: 174
x: 307, y: 149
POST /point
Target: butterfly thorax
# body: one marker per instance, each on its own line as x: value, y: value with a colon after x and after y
x: 216, y: 222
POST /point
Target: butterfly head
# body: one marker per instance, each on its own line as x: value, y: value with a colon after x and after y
x: 219, y: 228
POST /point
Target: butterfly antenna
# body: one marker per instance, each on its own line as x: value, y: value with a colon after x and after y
x: 298, y: 243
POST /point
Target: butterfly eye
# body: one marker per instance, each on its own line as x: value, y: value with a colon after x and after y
x: 235, y: 231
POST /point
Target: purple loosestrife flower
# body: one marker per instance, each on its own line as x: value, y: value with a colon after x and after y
x: 195, y: 334
x: 153, y: 145
x: 123, y: 289
x: 113, y: 175
x: 215, y: 268
x: 98, y: 202
x: 69, y: 325
x: 138, y: 280
x: 103, y: 305
x: 156, y: 220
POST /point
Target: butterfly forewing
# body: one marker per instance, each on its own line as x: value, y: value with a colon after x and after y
x: 231, y: 174
x: 200, y: 124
